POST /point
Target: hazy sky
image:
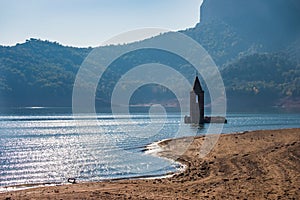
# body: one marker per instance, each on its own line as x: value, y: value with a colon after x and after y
x: 90, y: 22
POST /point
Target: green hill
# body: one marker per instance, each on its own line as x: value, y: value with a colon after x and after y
x: 38, y: 73
x: 258, y: 57
x: 262, y: 80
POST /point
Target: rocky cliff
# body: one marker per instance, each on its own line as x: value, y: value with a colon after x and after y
x: 274, y: 24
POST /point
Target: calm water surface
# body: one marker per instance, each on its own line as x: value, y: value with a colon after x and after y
x: 39, y: 146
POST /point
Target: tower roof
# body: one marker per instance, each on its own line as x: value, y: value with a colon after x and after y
x: 197, y: 86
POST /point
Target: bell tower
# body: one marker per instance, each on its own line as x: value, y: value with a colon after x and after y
x: 197, y: 103
x: 197, y: 89
x: 197, y: 108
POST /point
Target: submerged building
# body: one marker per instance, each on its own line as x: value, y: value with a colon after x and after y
x: 196, y: 104
x: 197, y: 107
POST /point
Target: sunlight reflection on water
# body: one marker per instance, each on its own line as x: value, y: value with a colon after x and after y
x: 52, y: 148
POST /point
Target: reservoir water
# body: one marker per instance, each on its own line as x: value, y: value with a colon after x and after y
x: 39, y: 145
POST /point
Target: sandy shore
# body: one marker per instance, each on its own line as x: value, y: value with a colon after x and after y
x: 251, y: 165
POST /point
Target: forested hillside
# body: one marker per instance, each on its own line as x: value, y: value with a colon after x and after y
x: 260, y: 68
x: 263, y: 80
x: 38, y: 73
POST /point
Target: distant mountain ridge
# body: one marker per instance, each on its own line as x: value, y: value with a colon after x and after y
x: 259, y: 66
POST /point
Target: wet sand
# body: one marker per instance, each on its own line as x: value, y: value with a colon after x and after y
x: 250, y: 165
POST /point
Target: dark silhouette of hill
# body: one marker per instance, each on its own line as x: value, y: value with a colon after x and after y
x: 254, y: 43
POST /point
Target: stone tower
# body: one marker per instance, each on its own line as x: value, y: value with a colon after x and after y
x: 197, y: 103
x: 197, y: 107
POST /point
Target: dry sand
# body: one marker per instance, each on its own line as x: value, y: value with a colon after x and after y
x: 251, y: 165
